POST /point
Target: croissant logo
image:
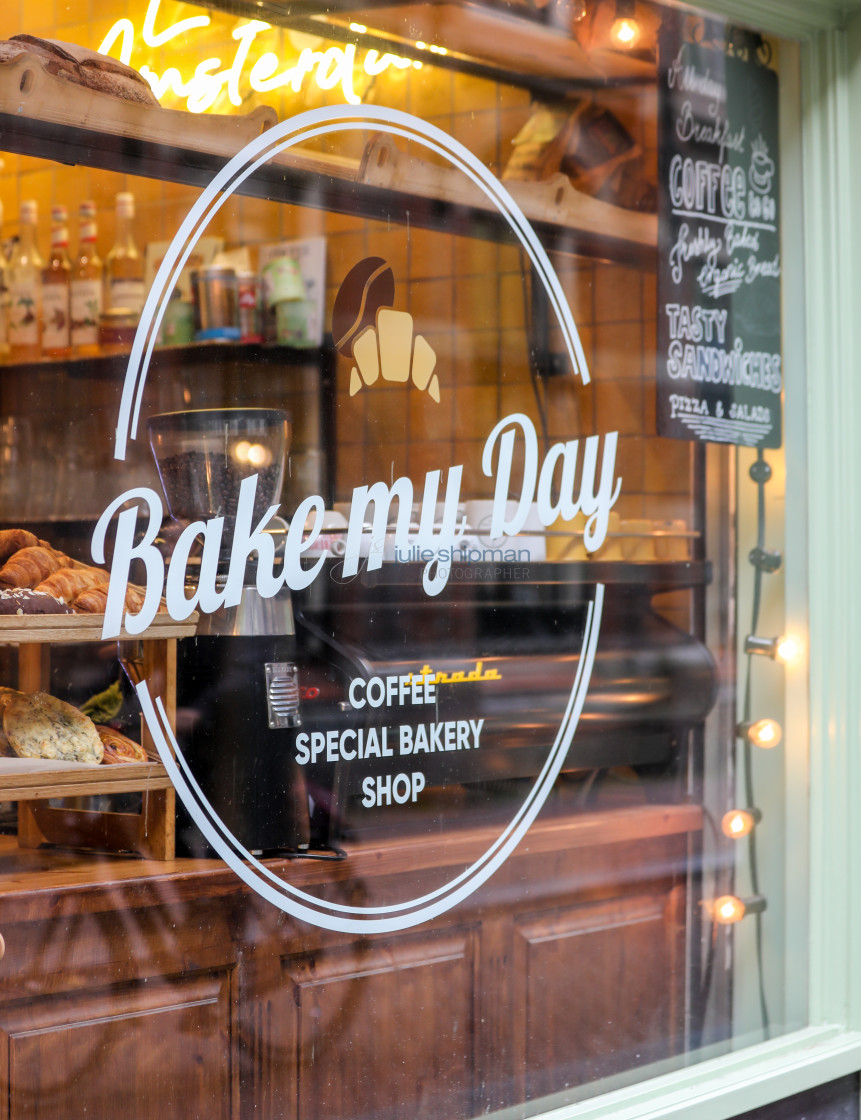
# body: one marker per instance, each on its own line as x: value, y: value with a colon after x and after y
x: 380, y: 340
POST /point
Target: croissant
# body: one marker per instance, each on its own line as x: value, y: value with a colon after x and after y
x: 29, y: 566
x: 13, y: 539
x: 118, y: 747
x: 66, y: 584
x: 94, y: 599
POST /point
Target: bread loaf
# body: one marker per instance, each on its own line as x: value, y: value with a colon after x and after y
x: 84, y: 67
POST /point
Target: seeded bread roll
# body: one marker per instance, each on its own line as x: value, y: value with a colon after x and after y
x: 41, y: 726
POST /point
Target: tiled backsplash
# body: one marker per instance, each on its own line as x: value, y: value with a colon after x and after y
x: 466, y: 294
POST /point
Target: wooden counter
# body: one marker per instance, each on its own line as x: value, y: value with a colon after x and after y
x: 167, y: 989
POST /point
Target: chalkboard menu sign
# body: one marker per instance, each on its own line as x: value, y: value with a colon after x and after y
x: 719, y: 365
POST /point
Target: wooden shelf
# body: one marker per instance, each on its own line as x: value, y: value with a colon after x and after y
x: 34, y: 779
x: 35, y: 782
x: 50, y: 628
x: 69, y: 124
x: 34, y: 880
x: 112, y: 367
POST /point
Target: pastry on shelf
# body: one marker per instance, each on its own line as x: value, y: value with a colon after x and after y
x: 41, y: 726
x: 119, y: 748
x: 26, y: 600
x: 66, y: 584
x: 29, y: 566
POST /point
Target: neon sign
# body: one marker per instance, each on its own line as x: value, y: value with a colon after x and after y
x: 332, y: 67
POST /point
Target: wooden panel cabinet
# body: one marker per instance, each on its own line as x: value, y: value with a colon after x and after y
x: 157, y: 1049
x: 383, y: 1028
x: 597, y: 989
x: 166, y: 990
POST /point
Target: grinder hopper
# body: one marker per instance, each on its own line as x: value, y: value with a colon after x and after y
x: 202, y: 456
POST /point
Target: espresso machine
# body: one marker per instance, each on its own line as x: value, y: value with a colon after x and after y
x: 261, y: 680
x: 237, y: 691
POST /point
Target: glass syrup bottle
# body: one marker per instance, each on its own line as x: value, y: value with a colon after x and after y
x: 56, y: 286
x: 87, y: 286
x: 124, y: 266
x: 25, y: 289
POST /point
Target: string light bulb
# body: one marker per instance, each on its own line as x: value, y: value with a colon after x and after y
x: 765, y: 733
x: 739, y: 822
x: 785, y: 648
x: 625, y: 30
x: 729, y: 908
x: 765, y: 560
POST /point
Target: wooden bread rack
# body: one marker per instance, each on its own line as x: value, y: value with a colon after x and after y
x: 34, y: 782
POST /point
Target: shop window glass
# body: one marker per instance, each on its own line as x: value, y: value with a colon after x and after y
x: 402, y: 468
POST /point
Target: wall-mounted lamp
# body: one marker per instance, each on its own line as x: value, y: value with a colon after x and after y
x: 739, y: 822
x: 729, y: 909
x: 625, y: 30
x: 763, y: 733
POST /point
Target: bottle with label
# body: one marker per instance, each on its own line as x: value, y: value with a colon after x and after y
x: 124, y: 266
x: 87, y: 281
x: 4, y: 301
x: 56, y: 284
x: 25, y: 289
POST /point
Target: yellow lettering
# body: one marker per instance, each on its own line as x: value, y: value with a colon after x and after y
x: 334, y: 67
x: 123, y: 27
x: 261, y: 78
x: 156, y: 40
x: 170, y: 81
x: 204, y: 85
x: 245, y: 34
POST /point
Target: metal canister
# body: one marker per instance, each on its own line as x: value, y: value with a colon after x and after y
x: 216, y: 303
x: 250, y: 307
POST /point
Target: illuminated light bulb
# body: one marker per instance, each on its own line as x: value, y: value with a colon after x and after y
x: 421, y: 46
x: 739, y: 822
x: 625, y: 31
x: 358, y: 27
x: 728, y: 909
x: 787, y: 648
x: 765, y: 733
x: 417, y: 65
x: 442, y: 50
x: 241, y: 450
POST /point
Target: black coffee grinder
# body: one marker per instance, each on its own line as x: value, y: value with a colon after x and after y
x: 237, y: 687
